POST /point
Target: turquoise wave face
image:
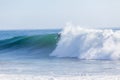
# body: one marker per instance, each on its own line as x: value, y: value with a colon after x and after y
x: 30, y: 41
x: 36, y: 45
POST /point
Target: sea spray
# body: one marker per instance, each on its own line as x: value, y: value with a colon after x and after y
x: 86, y: 43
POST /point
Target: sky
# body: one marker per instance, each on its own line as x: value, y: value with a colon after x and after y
x: 49, y: 14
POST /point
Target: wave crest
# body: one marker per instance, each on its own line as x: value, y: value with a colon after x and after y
x: 86, y: 43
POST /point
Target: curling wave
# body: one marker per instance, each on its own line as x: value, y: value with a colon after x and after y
x: 28, y: 46
x: 29, y: 41
x: 88, y: 43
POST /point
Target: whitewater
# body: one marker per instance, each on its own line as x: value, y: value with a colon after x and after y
x: 88, y: 43
x: 71, y: 53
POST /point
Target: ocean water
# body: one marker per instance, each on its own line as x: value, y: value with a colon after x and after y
x: 77, y: 54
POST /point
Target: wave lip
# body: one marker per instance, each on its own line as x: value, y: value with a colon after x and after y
x: 88, y: 43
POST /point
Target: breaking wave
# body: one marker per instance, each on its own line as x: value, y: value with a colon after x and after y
x: 29, y: 41
x: 36, y: 46
x: 84, y: 43
x: 73, y: 42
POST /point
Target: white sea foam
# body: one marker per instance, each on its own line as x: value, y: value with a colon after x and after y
x: 36, y: 77
x: 86, y: 43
